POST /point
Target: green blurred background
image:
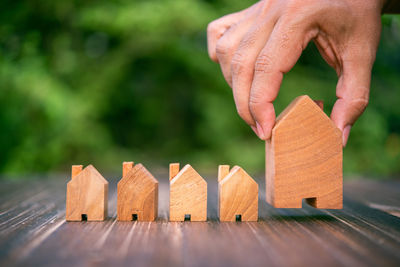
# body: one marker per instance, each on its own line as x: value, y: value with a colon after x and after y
x: 103, y: 82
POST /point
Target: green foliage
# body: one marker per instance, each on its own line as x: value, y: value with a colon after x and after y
x: 106, y: 81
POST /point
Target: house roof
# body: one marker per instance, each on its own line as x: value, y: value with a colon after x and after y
x: 187, y: 170
x: 92, y: 172
x: 139, y: 170
x: 298, y: 105
x: 237, y: 172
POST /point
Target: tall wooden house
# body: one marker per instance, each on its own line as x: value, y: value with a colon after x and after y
x: 304, y: 158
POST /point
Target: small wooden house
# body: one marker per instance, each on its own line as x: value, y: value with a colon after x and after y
x: 188, y: 194
x: 86, y: 195
x: 237, y: 195
x: 304, y: 158
x: 137, y: 194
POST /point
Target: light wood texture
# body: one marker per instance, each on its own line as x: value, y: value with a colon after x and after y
x: 34, y: 232
x: 126, y: 167
x: 86, y: 195
x: 238, y: 195
x: 137, y: 196
x: 304, y: 158
x: 188, y: 195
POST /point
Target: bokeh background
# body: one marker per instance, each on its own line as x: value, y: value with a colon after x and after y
x: 103, y: 82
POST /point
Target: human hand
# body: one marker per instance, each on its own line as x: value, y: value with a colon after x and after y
x: 256, y: 46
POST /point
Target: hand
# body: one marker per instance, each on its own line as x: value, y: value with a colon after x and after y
x: 256, y: 46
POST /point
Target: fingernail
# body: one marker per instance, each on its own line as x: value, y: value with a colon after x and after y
x: 346, y: 133
x: 260, y: 131
x: 254, y: 129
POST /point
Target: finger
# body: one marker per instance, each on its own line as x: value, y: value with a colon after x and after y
x: 352, y: 92
x: 228, y: 44
x: 280, y: 54
x: 217, y: 28
x: 243, y: 62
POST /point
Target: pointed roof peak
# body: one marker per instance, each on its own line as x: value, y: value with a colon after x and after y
x: 299, y: 104
x: 305, y: 99
x: 234, y: 171
x: 187, y: 168
x: 91, y: 169
x: 140, y: 169
x: 138, y: 166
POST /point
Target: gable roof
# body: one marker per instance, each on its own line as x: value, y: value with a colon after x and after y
x: 140, y: 170
x: 187, y: 170
x: 92, y: 172
x: 304, y: 102
x: 231, y: 171
x: 239, y: 172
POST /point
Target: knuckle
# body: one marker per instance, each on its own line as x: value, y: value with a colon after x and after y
x: 263, y: 64
x: 212, y: 28
x: 239, y: 63
x: 284, y: 40
x: 249, y: 40
x: 360, y: 104
x: 256, y: 100
x: 223, y: 47
x: 293, y: 6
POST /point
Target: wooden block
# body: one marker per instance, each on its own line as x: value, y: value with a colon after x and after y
x: 173, y: 170
x: 76, y: 169
x: 86, y: 195
x: 126, y: 167
x: 137, y: 194
x: 304, y: 158
x: 238, y: 195
x: 188, y: 195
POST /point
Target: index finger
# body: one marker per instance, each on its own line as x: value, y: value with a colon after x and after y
x: 279, y: 55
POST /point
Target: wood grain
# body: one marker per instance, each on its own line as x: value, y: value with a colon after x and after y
x: 223, y: 171
x: 238, y: 195
x: 33, y: 231
x: 127, y: 167
x: 87, y: 194
x: 304, y: 158
x: 137, y: 194
x: 173, y: 170
x: 188, y: 195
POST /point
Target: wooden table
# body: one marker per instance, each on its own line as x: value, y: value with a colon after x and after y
x: 33, y: 231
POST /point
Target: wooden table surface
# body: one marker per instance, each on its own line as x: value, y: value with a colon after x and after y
x: 33, y: 231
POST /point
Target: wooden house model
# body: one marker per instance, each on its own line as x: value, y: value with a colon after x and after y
x: 86, y: 195
x: 304, y: 158
x: 137, y: 194
x: 188, y: 194
x: 237, y: 195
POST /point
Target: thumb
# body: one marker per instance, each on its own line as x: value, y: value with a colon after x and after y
x: 352, y: 92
